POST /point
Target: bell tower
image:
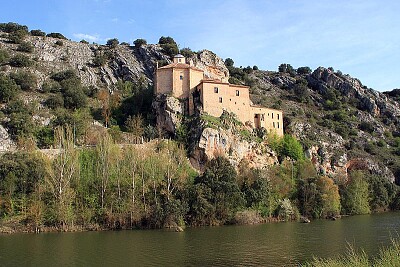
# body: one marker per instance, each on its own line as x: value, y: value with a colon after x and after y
x: 179, y: 59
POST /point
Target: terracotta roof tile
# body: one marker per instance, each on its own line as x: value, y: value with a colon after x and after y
x: 180, y: 66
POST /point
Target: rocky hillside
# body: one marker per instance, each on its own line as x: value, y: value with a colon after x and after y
x: 342, y: 124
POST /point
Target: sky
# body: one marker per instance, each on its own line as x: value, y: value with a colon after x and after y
x: 357, y: 37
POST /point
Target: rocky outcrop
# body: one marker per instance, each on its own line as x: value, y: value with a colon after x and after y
x: 374, y: 102
x: 216, y: 142
x: 169, y: 112
x: 213, y: 66
x: 6, y: 144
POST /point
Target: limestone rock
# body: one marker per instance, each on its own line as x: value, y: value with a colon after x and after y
x: 214, y: 142
x: 6, y: 144
x: 213, y: 66
x: 169, y: 111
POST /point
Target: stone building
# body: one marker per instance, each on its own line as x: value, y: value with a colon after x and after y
x: 182, y: 81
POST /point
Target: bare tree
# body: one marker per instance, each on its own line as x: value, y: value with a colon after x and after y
x: 62, y: 172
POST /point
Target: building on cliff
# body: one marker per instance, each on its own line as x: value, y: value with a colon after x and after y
x: 182, y: 81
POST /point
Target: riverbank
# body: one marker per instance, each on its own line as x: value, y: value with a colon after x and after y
x: 388, y: 256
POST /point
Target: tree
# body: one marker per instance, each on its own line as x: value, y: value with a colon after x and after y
x: 287, y: 68
x: 25, y: 47
x: 8, y: 88
x: 108, y: 103
x: 169, y: 45
x: 187, y: 52
x: 112, y: 43
x: 292, y: 148
x: 63, y: 171
x: 104, y: 164
x: 20, y: 173
x: 4, y: 56
x: 17, y: 36
x: 139, y: 42
x: 303, y: 70
x: 20, y: 60
x: 38, y: 33
x: 26, y: 80
x: 220, y: 177
x: 329, y: 197
x: 56, y: 35
x: 134, y: 124
x: 356, y: 194
x: 229, y: 62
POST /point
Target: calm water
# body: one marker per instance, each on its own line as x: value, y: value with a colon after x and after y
x: 276, y: 244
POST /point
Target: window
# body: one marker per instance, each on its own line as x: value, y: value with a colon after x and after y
x: 278, y: 124
x: 262, y: 117
x: 181, y: 77
x: 220, y: 100
x: 216, y: 90
x: 278, y: 119
x: 273, y: 124
x: 273, y: 117
x: 237, y: 92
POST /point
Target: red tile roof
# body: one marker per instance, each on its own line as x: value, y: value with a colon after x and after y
x: 180, y: 66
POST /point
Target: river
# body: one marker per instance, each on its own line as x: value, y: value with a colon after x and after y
x: 274, y: 244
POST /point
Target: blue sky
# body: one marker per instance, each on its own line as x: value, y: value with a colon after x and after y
x: 358, y: 37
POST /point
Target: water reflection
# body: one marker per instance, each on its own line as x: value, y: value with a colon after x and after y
x: 261, y: 245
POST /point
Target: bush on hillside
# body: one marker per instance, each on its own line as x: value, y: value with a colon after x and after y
x: 38, y: 33
x: 20, y: 61
x: 169, y: 46
x: 26, y: 80
x: 139, y: 42
x: 112, y: 43
x: 8, y: 88
x: 4, y: 56
x: 12, y: 27
x: 56, y: 35
x: 17, y: 37
x: 25, y: 47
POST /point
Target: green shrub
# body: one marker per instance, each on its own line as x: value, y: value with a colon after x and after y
x: 139, y: 42
x: 100, y: 59
x: 74, y: 95
x: 20, y: 125
x: 64, y: 75
x: 366, y: 127
x: 168, y: 45
x: 355, y: 195
x: 26, y: 80
x: 8, y: 88
x: 112, y: 43
x: 51, y: 86
x: 18, y: 106
x: 45, y: 137
x: 187, y: 52
x: 25, y: 47
x: 55, y: 101
x: 17, y: 37
x: 303, y: 70
x: 292, y: 148
x: 59, y: 43
x: 84, y: 42
x: 38, y: 33
x: 20, y: 60
x: 12, y: 27
x: 56, y: 35
x: 4, y: 56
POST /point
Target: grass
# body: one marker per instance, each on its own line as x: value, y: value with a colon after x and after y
x: 388, y: 257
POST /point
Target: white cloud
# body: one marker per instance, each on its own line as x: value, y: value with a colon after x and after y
x: 87, y: 37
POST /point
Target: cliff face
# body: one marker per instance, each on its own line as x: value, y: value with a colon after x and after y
x: 342, y: 124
